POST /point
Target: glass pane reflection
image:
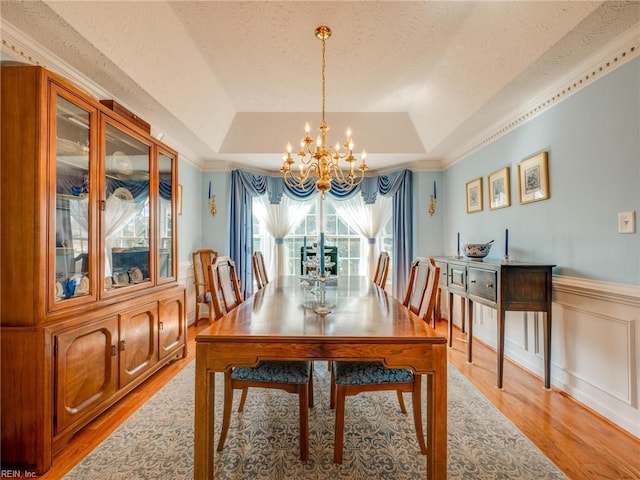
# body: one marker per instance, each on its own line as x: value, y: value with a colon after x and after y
x: 72, y: 201
x: 126, y: 212
x: 165, y: 217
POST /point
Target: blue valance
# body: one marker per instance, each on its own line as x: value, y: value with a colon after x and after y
x: 245, y: 185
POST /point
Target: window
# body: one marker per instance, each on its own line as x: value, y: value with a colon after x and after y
x: 352, y: 247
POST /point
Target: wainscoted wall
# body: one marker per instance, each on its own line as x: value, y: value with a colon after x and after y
x: 595, y: 346
x: 185, y: 277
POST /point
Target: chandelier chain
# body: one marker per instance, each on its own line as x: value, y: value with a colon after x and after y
x: 323, y: 79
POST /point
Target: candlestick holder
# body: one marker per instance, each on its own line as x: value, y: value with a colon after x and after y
x: 212, y: 206
x: 321, y: 308
x: 432, y: 205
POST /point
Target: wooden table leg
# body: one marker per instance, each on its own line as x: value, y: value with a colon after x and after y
x: 436, y: 399
x: 204, y: 417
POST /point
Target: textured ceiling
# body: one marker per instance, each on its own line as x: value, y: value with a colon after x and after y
x: 232, y: 82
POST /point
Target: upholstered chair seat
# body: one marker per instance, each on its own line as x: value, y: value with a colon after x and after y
x: 369, y: 373
x: 272, y: 371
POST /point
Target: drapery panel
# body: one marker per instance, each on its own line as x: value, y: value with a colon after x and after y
x: 368, y: 220
x: 400, y: 186
x: 245, y: 185
x: 279, y: 219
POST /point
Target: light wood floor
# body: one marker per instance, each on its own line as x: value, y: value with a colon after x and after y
x: 579, y: 442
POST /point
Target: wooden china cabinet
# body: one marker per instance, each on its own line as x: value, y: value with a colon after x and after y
x: 90, y: 304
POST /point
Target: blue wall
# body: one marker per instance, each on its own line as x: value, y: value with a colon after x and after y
x: 427, y: 231
x: 197, y: 228
x: 189, y: 235
x: 593, y: 142
x: 215, y: 230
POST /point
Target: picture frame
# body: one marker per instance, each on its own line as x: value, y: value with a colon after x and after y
x: 179, y: 205
x: 499, y: 189
x: 474, y: 195
x: 533, y: 178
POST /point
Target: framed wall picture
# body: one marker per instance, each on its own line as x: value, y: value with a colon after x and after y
x: 474, y: 195
x: 499, y: 189
x: 533, y: 178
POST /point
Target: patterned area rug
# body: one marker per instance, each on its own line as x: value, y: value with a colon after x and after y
x: 157, y: 441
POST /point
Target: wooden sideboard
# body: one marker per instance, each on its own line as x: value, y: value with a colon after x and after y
x: 515, y: 286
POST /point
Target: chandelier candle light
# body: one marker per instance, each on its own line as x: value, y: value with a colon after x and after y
x: 322, y: 160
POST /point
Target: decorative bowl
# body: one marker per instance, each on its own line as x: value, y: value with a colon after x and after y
x: 477, y: 250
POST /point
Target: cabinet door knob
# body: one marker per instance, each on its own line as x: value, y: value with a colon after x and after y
x: 113, y: 350
x: 473, y: 281
x: 161, y: 326
x: 489, y: 285
x: 122, y: 345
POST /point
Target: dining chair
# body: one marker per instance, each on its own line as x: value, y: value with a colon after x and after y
x: 290, y: 376
x: 382, y: 270
x: 259, y: 269
x: 352, y: 378
x: 200, y: 259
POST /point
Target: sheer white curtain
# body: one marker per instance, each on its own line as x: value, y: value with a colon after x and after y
x: 118, y: 213
x: 368, y: 220
x: 278, y: 220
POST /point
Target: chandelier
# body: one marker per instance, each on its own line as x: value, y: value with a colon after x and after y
x: 321, y: 161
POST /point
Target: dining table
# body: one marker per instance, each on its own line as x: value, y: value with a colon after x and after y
x: 358, y: 321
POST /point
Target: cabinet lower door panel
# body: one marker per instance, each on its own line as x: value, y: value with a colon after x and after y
x: 172, y: 324
x: 138, y: 342
x: 85, y: 370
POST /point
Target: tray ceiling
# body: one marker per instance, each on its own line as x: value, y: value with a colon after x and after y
x: 229, y: 83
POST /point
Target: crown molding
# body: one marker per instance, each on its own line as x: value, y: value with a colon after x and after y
x: 617, y: 53
x: 22, y: 48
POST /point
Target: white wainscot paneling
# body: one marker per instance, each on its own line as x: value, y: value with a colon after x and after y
x: 185, y: 277
x: 519, y: 343
x: 595, y: 347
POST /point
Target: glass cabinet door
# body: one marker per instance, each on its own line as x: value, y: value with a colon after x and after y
x: 166, y: 219
x: 71, y: 216
x: 126, y: 228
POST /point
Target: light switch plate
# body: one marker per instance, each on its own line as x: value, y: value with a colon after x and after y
x: 627, y: 222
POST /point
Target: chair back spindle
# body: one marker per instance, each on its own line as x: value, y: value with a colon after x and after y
x: 382, y: 270
x: 418, y: 279
x: 259, y: 269
x: 200, y: 260
x: 225, y: 287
